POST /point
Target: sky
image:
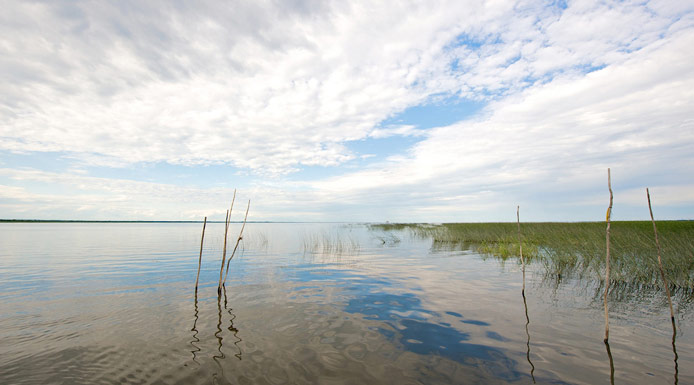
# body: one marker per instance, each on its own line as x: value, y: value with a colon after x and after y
x: 401, y: 111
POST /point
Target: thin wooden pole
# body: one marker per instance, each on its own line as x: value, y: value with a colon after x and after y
x: 224, y: 252
x: 520, y: 246
x: 607, y: 258
x: 237, y: 242
x: 202, y: 239
x: 660, y: 262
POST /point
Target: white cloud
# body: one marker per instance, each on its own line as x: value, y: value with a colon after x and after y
x: 273, y: 87
x: 32, y: 193
x: 53, y: 195
x: 253, y: 85
x: 553, y: 138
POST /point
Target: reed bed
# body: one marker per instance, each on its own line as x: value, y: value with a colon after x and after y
x: 330, y: 243
x: 576, y: 249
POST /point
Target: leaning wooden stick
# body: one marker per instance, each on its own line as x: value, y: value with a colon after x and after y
x: 202, y: 239
x: 237, y: 242
x: 224, y: 252
x: 525, y: 302
x: 660, y: 262
x: 607, y: 258
x: 520, y: 246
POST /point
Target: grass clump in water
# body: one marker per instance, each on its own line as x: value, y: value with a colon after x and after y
x: 330, y: 244
x: 576, y: 249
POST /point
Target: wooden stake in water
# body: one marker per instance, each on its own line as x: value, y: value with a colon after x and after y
x: 667, y: 287
x: 202, y: 239
x: 237, y: 242
x: 607, y: 258
x: 660, y: 262
x: 525, y: 302
x: 224, y: 251
x: 520, y: 246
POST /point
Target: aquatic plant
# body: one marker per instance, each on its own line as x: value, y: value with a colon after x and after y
x: 575, y: 249
x: 387, y: 239
x: 256, y: 240
x: 330, y: 243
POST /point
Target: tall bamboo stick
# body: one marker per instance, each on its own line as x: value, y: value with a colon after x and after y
x: 202, y: 239
x: 607, y: 258
x: 660, y: 262
x: 224, y: 252
x: 520, y: 245
x: 237, y: 242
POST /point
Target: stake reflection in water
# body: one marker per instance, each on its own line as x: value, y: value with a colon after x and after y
x: 234, y: 330
x: 197, y: 281
x: 525, y: 303
x: 674, y: 350
x: 527, y: 332
x: 219, y: 333
x: 195, y: 340
x: 609, y: 356
x: 665, y: 283
x: 231, y: 328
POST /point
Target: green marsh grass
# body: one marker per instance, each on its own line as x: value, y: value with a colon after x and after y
x: 577, y: 249
x: 328, y: 243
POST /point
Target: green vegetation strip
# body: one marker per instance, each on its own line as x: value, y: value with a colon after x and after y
x: 576, y: 249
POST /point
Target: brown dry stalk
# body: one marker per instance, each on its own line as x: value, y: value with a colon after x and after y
x: 202, y: 239
x: 224, y: 252
x: 607, y: 258
x: 660, y: 262
x: 520, y: 245
x: 237, y: 242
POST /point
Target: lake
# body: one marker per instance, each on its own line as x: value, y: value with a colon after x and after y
x: 105, y: 303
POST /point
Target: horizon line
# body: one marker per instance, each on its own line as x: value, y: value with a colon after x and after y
x: 3, y: 220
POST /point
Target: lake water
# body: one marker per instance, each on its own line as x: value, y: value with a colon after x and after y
x: 105, y: 303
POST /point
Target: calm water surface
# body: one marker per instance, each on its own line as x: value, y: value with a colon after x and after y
x: 85, y: 303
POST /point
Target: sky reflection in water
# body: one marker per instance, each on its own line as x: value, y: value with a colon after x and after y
x: 119, y: 303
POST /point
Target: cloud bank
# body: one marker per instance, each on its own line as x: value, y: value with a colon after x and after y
x: 271, y: 88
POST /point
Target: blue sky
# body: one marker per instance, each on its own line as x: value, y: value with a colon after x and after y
x: 431, y: 111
